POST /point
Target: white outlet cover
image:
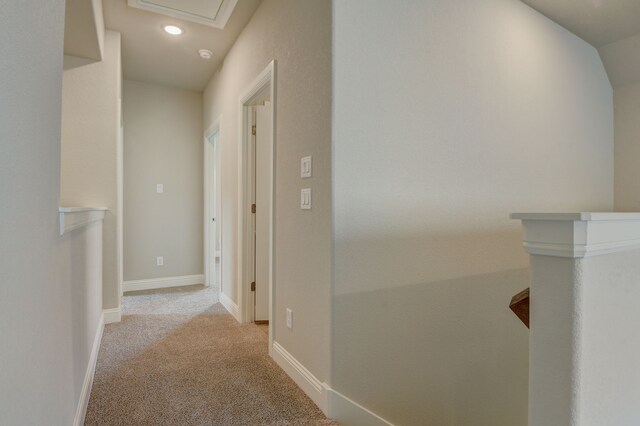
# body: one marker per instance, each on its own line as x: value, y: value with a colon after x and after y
x: 159, y: 188
x: 305, y: 199
x: 305, y: 167
x: 160, y: 261
x: 289, y: 319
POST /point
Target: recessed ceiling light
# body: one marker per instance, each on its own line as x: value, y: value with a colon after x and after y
x: 172, y: 29
x: 205, y: 54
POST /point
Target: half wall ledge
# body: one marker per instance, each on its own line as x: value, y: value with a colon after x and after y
x: 76, y: 217
x: 583, y: 340
x: 577, y: 235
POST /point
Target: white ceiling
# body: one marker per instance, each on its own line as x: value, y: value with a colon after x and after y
x: 150, y: 54
x: 598, y: 22
x: 612, y: 26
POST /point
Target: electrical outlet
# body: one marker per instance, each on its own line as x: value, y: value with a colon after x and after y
x: 289, y: 319
x: 160, y: 261
x: 159, y: 188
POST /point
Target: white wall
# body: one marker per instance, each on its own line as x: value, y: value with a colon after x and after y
x: 297, y: 34
x: 90, y: 128
x: 162, y: 145
x: 447, y: 117
x: 627, y: 151
x: 49, y: 302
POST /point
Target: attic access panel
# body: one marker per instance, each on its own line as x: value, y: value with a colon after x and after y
x: 214, y: 13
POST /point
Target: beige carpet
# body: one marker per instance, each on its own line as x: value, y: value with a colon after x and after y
x: 178, y: 358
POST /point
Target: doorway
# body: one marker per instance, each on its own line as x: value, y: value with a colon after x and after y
x: 256, y: 201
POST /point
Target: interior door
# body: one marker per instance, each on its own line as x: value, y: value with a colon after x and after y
x: 214, y: 219
x: 263, y: 207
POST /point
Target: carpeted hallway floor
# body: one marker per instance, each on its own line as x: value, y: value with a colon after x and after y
x: 178, y: 358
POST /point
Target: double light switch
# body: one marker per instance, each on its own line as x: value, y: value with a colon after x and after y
x: 305, y: 199
x: 305, y: 172
x: 305, y: 167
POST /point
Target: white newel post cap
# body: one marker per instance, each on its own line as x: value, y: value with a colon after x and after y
x: 76, y: 217
x: 577, y: 235
x: 583, y: 339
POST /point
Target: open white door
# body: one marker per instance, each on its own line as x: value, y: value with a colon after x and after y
x: 213, y: 220
x: 263, y: 207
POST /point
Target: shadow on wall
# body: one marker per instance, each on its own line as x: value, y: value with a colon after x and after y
x: 436, y: 352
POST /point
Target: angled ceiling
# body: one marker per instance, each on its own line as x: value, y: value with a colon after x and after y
x: 598, y: 22
x: 612, y: 26
x: 149, y: 54
x: 83, y: 29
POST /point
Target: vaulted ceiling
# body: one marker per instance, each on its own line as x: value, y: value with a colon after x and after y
x: 612, y: 26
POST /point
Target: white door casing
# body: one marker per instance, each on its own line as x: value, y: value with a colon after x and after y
x: 265, y: 82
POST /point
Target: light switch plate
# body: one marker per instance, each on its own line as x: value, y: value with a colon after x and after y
x: 289, y: 319
x: 160, y: 261
x: 305, y: 167
x: 159, y: 188
x: 305, y: 199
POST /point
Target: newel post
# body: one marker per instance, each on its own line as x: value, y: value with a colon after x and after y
x: 584, y: 318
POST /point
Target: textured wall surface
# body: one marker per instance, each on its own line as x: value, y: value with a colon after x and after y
x: 447, y: 117
x: 297, y: 34
x: 90, y: 131
x: 50, y: 301
x: 162, y: 145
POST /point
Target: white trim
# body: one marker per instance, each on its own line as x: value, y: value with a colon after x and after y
x: 580, y: 250
x: 85, y: 392
x: 230, y: 306
x: 348, y: 412
x: 156, y: 283
x: 591, y: 216
x: 314, y: 388
x: 578, y: 235
x: 267, y: 77
x: 112, y: 315
x: 332, y: 403
x: 76, y: 217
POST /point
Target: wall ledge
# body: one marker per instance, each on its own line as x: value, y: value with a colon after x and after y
x: 578, y: 235
x: 76, y: 217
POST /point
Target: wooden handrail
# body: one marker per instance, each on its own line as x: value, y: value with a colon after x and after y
x: 520, y: 306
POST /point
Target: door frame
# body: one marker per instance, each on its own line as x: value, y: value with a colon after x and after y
x: 215, y: 128
x: 267, y: 78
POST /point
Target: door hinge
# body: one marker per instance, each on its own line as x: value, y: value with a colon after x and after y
x: 253, y: 208
x: 253, y: 286
x: 253, y: 130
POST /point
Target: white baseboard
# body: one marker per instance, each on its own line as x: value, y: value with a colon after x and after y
x: 230, y: 306
x: 332, y: 403
x: 112, y: 315
x: 156, y: 283
x: 350, y: 413
x: 314, y: 388
x: 85, y: 392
